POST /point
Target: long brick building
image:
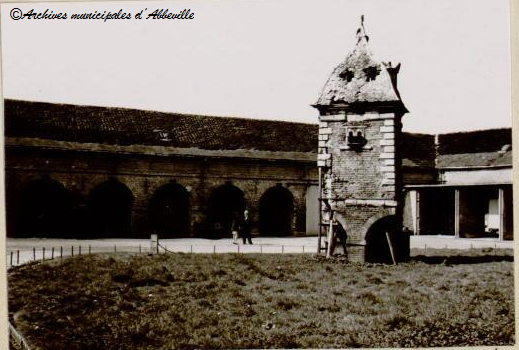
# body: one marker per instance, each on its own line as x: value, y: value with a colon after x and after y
x: 110, y: 172
x: 80, y: 171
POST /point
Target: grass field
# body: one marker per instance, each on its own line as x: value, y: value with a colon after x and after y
x: 122, y: 301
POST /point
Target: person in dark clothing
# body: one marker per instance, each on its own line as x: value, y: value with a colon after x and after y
x: 246, y: 228
x: 341, y: 237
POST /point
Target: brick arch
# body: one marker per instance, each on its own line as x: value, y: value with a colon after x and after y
x: 344, y: 223
x: 249, y: 191
x: 377, y: 249
x: 384, y: 212
x: 110, y: 205
x: 169, y: 210
x: 277, y: 211
x: 225, y: 204
x: 41, y: 208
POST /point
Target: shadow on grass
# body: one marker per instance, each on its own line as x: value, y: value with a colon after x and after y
x: 461, y: 260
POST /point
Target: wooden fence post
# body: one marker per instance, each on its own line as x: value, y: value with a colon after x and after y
x: 11, y: 258
x: 89, y: 249
x: 34, y: 254
x: 17, y: 257
x: 79, y: 249
x: 390, y: 243
x: 154, y: 243
x: 61, y: 252
x: 52, y: 253
x: 43, y: 253
x: 72, y: 250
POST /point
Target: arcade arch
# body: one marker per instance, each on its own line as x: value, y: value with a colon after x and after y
x: 110, y: 204
x: 169, y: 211
x: 43, y: 209
x: 225, y: 203
x: 276, y: 212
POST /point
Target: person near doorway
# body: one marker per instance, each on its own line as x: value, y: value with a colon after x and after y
x: 341, y: 236
x: 235, y: 227
x: 246, y: 228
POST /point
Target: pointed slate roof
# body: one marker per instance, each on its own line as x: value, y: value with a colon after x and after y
x: 361, y: 78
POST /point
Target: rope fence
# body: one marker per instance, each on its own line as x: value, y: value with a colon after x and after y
x: 236, y: 248
x: 23, y: 256
x: 26, y: 255
x: 17, y: 340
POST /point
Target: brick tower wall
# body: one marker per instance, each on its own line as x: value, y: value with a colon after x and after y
x: 363, y: 185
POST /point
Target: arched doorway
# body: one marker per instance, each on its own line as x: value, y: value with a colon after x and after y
x: 110, y: 205
x: 377, y: 247
x: 276, y: 212
x: 225, y: 202
x: 169, y: 211
x: 43, y: 210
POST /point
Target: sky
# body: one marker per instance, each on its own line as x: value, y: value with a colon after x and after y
x: 266, y: 59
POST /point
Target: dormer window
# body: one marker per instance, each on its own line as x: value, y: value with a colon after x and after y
x: 162, y: 135
x: 347, y: 75
x: 371, y: 73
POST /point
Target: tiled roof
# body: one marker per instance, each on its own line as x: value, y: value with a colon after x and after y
x: 120, y: 126
x: 418, y: 150
x: 490, y: 140
x: 481, y: 159
x: 480, y: 148
x: 350, y: 82
x: 124, y: 127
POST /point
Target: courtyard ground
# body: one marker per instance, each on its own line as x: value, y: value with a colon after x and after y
x: 23, y: 250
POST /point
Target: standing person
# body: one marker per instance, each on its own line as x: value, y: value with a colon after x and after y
x: 235, y: 227
x: 246, y: 228
x: 341, y: 236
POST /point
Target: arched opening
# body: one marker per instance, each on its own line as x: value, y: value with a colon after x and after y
x: 110, y: 205
x: 377, y: 245
x: 79, y: 215
x: 225, y: 203
x: 43, y: 210
x: 169, y: 211
x: 276, y: 212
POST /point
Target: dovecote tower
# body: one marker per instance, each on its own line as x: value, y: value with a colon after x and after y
x: 359, y: 158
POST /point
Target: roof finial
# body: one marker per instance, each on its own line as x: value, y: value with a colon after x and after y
x: 361, y: 32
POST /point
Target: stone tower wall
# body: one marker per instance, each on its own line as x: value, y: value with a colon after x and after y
x: 362, y: 186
